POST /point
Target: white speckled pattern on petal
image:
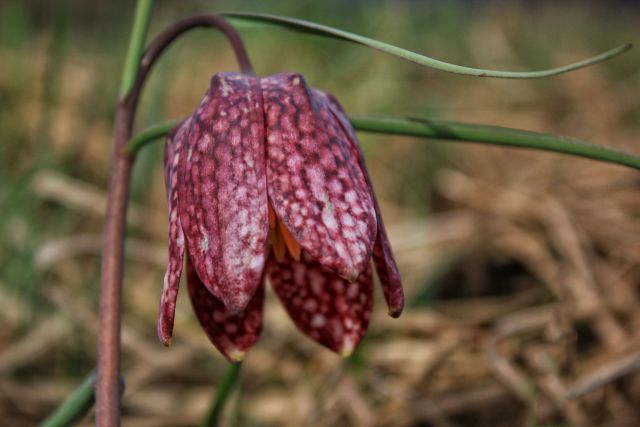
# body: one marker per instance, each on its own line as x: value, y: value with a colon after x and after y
x: 253, y: 143
x: 172, y: 153
x: 315, y: 185
x: 232, y: 334
x: 324, y: 306
x: 223, y: 194
x: 382, y: 254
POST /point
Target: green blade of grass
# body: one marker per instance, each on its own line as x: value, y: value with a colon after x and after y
x: 452, y: 131
x: 74, y: 407
x: 323, y: 30
x: 142, y: 17
x: 484, y: 134
x: 226, y: 386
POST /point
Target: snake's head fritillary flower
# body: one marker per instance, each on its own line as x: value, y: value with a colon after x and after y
x: 266, y: 179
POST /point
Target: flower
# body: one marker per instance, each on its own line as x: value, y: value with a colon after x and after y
x: 266, y: 178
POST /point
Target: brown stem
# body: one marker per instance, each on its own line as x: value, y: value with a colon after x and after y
x: 107, y: 383
x: 107, y: 395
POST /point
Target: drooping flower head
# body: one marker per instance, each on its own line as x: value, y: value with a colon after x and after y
x: 266, y: 179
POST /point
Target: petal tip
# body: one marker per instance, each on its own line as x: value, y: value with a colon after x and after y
x: 236, y: 306
x: 164, y: 337
x: 235, y: 300
x: 351, y: 276
x: 235, y: 356
x: 348, y: 347
x: 164, y: 330
x: 395, y: 312
x: 352, y: 271
x: 396, y: 304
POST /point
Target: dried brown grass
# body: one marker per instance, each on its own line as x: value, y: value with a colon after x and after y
x: 537, y: 322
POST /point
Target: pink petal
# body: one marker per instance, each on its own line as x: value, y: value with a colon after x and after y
x: 233, y: 335
x: 223, y: 194
x: 382, y: 255
x: 324, y: 306
x: 172, y: 153
x: 315, y: 184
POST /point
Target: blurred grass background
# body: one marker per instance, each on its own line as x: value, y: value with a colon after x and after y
x: 521, y: 268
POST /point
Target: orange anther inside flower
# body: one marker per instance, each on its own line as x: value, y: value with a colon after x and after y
x: 272, y: 217
x: 281, y: 239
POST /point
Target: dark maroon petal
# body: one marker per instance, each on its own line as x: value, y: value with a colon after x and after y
x: 315, y: 185
x: 323, y: 305
x: 233, y: 335
x: 382, y: 255
x: 388, y: 271
x: 172, y: 153
x: 223, y: 194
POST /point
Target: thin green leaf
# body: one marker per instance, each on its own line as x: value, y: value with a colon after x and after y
x: 453, y: 131
x: 150, y: 134
x: 225, y: 387
x: 322, y: 30
x: 74, y: 407
x: 495, y: 135
x: 141, y: 21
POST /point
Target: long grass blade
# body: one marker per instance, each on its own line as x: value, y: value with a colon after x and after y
x: 323, y: 30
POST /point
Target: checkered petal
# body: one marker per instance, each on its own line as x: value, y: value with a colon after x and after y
x: 382, y: 255
x: 324, y: 306
x: 166, y: 314
x: 315, y: 184
x: 232, y: 334
x: 222, y: 189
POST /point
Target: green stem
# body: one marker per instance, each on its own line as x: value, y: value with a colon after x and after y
x: 323, y: 30
x: 136, y: 45
x: 74, y: 407
x: 150, y: 134
x: 428, y: 128
x: 439, y: 129
x: 226, y: 386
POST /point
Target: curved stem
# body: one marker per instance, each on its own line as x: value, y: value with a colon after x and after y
x: 326, y: 31
x: 150, y: 134
x: 107, y: 384
x: 108, y: 364
x: 173, y: 31
x: 107, y: 395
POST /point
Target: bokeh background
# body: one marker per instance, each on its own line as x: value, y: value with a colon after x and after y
x: 522, y: 269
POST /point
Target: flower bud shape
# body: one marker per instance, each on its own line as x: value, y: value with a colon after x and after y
x: 266, y: 179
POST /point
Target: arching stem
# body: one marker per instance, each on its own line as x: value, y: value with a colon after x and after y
x: 107, y: 384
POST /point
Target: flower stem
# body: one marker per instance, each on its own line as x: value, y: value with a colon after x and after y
x: 107, y: 384
x: 150, y: 134
x: 226, y: 386
x: 74, y: 407
x: 453, y: 131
